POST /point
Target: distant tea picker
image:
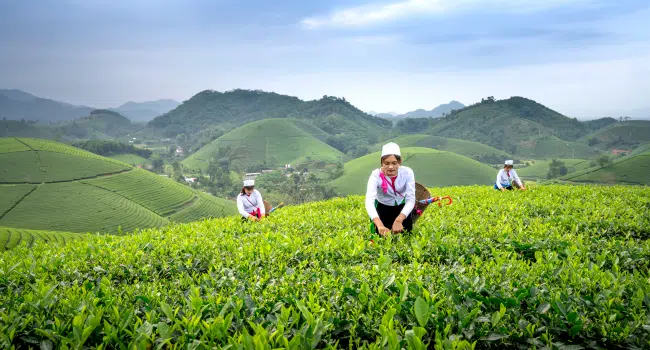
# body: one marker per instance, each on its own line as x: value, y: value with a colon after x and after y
x: 250, y: 203
x: 390, y: 194
x: 507, y: 178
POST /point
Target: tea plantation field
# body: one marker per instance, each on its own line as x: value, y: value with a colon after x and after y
x: 45, y: 185
x: 555, y: 267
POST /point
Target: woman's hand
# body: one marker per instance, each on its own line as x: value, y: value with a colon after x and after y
x: 383, y: 230
x: 397, y: 224
x: 253, y: 218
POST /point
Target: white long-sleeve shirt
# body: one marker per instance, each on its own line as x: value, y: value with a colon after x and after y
x: 404, y: 184
x: 507, y: 177
x: 247, y: 204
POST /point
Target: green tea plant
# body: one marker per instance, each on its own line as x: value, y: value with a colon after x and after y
x: 555, y: 267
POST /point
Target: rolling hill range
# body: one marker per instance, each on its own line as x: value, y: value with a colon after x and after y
x: 206, y: 110
x: 54, y: 187
x: 516, y: 125
x: 633, y: 169
x: 17, y: 105
x: 273, y: 142
x: 621, y: 135
x: 432, y: 168
x: 470, y: 149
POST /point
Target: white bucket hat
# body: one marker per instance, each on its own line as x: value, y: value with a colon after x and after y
x: 248, y: 183
x: 390, y: 148
x: 509, y: 162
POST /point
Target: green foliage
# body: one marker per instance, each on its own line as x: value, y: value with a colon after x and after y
x: 109, y: 148
x: 431, y: 167
x: 493, y: 271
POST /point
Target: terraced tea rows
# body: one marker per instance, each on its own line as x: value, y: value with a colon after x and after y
x: 11, y: 195
x: 11, y: 237
x: 204, y: 206
x: 557, y: 267
x: 108, y: 210
x: 156, y: 193
x: 45, y: 185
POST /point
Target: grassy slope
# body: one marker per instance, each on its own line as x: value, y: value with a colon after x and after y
x: 78, y: 191
x: 131, y: 159
x: 630, y: 131
x: 633, y: 169
x: 470, y: 149
x: 274, y: 141
x: 540, y: 168
x: 553, y: 147
x: 432, y: 168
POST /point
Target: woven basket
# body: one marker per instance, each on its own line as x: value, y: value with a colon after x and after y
x: 267, y: 208
x: 421, y: 193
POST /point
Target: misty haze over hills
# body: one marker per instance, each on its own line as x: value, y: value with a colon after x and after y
x: 17, y: 104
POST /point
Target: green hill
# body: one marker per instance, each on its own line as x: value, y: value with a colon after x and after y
x: 510, y: 125
x: 432, y: 168
x: 349, y: 127
x: 52, y: 186
x: 621, y: 135
x: 274, y: 142
x: 548, y: 147
x: 633, y: 169
x: 477, y: 151
x: 539, y: 169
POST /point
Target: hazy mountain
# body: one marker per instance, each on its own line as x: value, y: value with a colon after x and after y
x: 146, y: 111
x: 17, y: 105
x: 434, y: 113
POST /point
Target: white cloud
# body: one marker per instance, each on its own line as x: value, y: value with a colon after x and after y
x: 375, y: 13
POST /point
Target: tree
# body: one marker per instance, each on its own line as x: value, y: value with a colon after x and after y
x: 593, y: 141
x: 556, y: 168
x: 158, y: 165
x: 603, y: 160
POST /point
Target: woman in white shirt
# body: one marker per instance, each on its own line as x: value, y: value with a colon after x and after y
x: 390, y: 195
x: 507, y: 177
x: 249, y: 202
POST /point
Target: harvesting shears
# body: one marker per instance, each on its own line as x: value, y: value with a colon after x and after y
x: 436, y: 199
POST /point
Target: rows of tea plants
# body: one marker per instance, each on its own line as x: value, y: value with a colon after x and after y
x: 11, y: 195
x: 51, y: 146
x: 10, y: 144
x: 156, y: 193
x: 555, y: 267
x: 63, y: 207
x: 205, y: 206
x: 11, y: 237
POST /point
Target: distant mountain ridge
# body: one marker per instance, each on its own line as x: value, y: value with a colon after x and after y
x: 434, y: 113
x: 16, y: 105
x: 146, y: 111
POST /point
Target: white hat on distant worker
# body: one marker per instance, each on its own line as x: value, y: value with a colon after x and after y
x: 248, y: 183
x: 509, y: 162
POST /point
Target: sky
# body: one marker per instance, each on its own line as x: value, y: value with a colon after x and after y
x: 583, y: 58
